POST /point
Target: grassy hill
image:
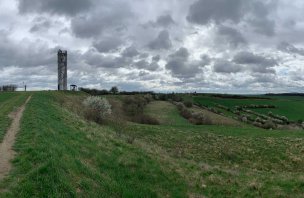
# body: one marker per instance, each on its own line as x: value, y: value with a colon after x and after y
x: 60, y: 154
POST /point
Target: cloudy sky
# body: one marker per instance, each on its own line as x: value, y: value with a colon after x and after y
x: 228, y: 46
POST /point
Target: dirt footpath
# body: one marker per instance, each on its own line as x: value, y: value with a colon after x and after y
x: 6, y: 147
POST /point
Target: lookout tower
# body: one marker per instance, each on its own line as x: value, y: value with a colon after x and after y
x: 62, y: 69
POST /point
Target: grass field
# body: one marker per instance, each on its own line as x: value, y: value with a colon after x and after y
x: 289, y: 106
x: 59, y: 154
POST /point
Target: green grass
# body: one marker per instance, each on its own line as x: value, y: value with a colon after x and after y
x: 166, y: 113
x: 61, y: 155
x: 9, y: 101
x: 289, y: 106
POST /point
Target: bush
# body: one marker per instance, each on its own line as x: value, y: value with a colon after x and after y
x: 200, y: 119
x: 257, y: 124
x: 243, y: 118
x: 146, y: 119
x: 186, y: 113
x: 188, y: 104
x: 97, y: 108
x: 180, y: 106
x: 148, y: 98
x: 134, y: 105
x: 269, y: 124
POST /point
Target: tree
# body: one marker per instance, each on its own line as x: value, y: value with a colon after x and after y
x: 114, y: 90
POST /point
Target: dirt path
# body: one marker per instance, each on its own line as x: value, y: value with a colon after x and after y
x: 6, y: 147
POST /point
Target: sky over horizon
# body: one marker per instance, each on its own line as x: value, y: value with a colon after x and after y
x: 218, y: 46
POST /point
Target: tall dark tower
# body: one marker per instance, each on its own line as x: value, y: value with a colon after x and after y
x: 62, y: 70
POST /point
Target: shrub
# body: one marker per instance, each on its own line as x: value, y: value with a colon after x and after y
x: 188, y: 104
x: 257, y: 124
x: 180, y: 106
x: 134, y: 105
x: 186, y: 113
x: 146, y: 119
x: 97, y: 108
x: 200, y: 119
x: 269, y: 124
x: 148, y: 98
x: 176, y: 97
x: 243, y: 118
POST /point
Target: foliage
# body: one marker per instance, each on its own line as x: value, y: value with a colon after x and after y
x: 97, y: 109
x: 269, y: 124
x: 199, y: 118
x: 146, y: 119
x: 114, y: 90
x: 8, y: 88
x: 133, y: 107
x: 188, y: 104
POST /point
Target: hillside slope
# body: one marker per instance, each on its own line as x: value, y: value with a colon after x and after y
x: 59, y: 154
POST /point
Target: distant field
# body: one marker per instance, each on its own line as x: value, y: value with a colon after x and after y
x: 289, y: 106
x: 59, y: 154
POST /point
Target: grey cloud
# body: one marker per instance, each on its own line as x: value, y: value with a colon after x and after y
x: 41, y: 24
x: 153, y: 66
x: 254, y: 13
x: 224, y: 66
x: 163, y: 41
x: 66, y: 7
x: 111, y: 19
x: 165, y: 21
x: 143, y: 55
x: 265, y: 78
x: 296, y: 75
x: 255, y: 63
x: 27, y: 54
x: 130, y: 52
x: 143, y: 64
x: 180, y: 65
x: 263, y: 26
x: 231, y: 36
x: 259, y: 20
x: 252, y: 59
x: 206, y: 11
x: 108, y: 44
x: 162, y: 21
x: 96, y: 59
x: 205, y: 59
x: 156, y: 58
x: 111, y: 62
x: 289, y: 48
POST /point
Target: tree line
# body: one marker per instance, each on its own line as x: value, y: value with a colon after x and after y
x: 8, y: 88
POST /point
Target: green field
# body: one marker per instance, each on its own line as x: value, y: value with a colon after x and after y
x: 60, y: 154
x: 289, y: 106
